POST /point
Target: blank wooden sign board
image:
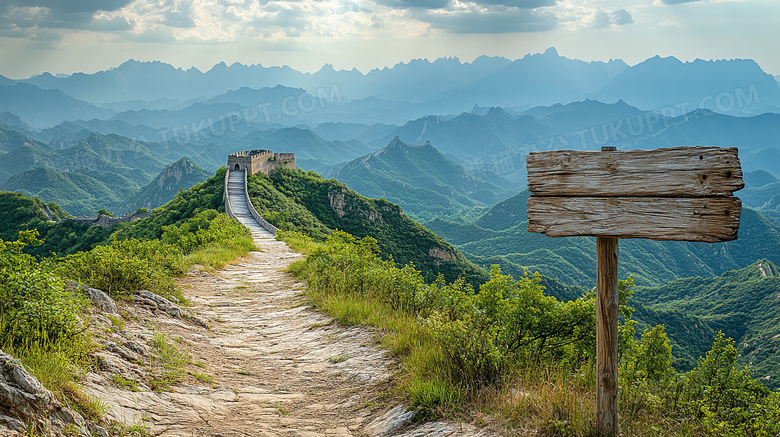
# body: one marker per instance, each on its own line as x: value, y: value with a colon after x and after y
x: 679, y: 193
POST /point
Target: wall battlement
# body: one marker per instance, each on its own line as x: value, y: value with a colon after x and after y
x: 260, y: 161
x: 106, y: 221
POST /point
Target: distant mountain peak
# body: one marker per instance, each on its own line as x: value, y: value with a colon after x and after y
x: 498, y: 112
x: 551, y: 52
x: 479, y: 110
x: 327, y: 68
x: 220, y: 66
x: 767, y: 268
x: 396, y: 143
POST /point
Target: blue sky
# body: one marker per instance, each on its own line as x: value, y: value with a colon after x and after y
x: 66, y: 36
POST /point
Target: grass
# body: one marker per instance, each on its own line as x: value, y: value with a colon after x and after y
x: 217, y: 254
x: 279, y: 408
x: 203, y: 377
x: 88, y: 405
x: 337, y: 359
x: 117, y: 322
x: 550, y: 400
x: 167, y: 362
x: 297, y: 241
x: 127, y: 384
x: 57, y: 366
x: 134, y: 430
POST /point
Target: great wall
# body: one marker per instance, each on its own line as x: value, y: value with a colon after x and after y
x: 241, y: 165
x: 236, y: 197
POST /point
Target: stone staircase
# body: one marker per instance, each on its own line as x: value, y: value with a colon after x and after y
x: 240, y: 208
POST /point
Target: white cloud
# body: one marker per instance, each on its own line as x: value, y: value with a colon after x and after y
x: 578, y: 16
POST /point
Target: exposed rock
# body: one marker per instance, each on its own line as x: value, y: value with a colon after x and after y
x: 337, y: 202
x: 372, y: 215
x: 444, y: 255
x: 136, y: 347
x: 155, y: 302
x: 124, y: 353
x: 99, y: 298
x: 24, y: 400
x: 390, y: 423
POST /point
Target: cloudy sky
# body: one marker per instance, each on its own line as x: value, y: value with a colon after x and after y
x: 66, y: 36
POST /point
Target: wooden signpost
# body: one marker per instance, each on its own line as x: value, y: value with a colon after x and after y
x: 680, y: 193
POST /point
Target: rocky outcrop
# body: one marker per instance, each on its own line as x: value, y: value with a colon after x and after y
x: 107, y: 221
x: 155, y: 302
x: 26, y: 404
x: 337, y: 202
x: 100, y: 300
x: 440, y: 254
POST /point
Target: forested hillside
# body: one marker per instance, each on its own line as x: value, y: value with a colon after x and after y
x: 422, y: 180
x: 500, y: 237
x: 740, y: 303
x: 306, y: 202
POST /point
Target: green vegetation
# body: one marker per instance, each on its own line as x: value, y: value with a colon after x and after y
x: 35, y: 307
x: 126, y: 266
x: 514, y: 352
x: 209, y: 238
x: 740, y: 303
x: 127, y: 384
x: 500, y: 237
x: 40, y: 321
x: 44, y: 325
x: 333, y: 206
x: 422, y: 180
x: 168, y: 362
x: 203, y: 377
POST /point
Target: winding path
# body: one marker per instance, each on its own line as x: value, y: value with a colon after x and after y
x: 278, y: 366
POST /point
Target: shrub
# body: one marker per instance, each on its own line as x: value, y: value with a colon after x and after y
x: 34, y: 307
x: 207, y: 228
x: 126, y: 266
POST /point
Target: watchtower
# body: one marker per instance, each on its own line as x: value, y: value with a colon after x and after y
x: 260, y: 161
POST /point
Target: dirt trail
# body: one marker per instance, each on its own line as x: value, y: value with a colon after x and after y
x: 279, y: 367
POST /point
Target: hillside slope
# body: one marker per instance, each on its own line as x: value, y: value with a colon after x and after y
x: 78, y: 193
x: 332, y: 205
x: 420, y: 179
x: 500, y: 237
x: 741, y: 303
x: 180, y: 175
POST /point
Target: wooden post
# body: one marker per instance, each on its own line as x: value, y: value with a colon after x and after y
x: 676, y: 193
x: 607, y: 336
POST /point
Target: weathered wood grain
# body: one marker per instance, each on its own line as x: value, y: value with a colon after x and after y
x: 662, y: 218
x: 670, y: 172
x: 607, y: 336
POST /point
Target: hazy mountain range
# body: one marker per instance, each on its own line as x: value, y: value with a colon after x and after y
x: 405, y: 91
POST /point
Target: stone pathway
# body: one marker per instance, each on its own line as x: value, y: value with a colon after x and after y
x: 279, y: 367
